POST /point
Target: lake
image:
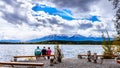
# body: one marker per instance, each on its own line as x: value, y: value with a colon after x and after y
x: 7, y: 51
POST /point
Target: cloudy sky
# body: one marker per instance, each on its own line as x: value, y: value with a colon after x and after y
x: 30, y: 19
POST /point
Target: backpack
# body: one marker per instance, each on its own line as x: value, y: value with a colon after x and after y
x: 37, y: 52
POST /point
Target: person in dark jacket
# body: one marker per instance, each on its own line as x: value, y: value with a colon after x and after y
x: 44, y: 51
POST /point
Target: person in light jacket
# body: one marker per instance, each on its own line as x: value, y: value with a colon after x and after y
x: 58, y: 54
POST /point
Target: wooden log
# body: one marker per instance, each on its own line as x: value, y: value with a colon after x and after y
x: 80, y: 56
x: 22, y: 63
x: 15, y: 57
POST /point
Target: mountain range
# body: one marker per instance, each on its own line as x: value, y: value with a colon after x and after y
x: 66, y: 38
x: 59, y: 38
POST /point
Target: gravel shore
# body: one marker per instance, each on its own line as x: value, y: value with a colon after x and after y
x: 77, y: 63
x: 82, y: 63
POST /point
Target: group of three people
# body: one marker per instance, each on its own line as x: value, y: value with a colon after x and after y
x: 44, y: 51
x: 57, y: 52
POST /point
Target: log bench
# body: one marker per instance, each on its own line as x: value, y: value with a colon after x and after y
x: 22, y: 63
x: 81, y: 56
x: 15, y: 57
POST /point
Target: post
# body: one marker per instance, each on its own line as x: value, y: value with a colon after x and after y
x: 15, y: 59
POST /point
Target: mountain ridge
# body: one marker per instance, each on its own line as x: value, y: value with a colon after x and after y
x: 60, y: 37
x: 66, y: 38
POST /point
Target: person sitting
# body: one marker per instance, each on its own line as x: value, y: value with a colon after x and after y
x: 49, y: 52
x: 37, y: 53
x: 95, y: 57
x: 44, y: 51
x: 89, y: 56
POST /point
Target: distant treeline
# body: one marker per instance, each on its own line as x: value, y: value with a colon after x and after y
x: 58, y: 42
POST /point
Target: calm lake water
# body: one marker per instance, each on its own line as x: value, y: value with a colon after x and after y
x: 70, y: 51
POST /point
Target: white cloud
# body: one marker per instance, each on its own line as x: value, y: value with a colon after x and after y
x: 26, y: 26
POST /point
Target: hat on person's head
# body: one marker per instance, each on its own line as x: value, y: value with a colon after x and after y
x: 57, y: 46
x: 48, y: 47
x: 37, y: 46
x: 44, y: 47
x: 88, y: 50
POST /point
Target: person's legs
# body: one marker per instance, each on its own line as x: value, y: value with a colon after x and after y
x: 89, y: 60
x: 48, y: 57
x: 44, y: 56
x: 59, y: 59
x: 95, y: 61
x: 37, y: 58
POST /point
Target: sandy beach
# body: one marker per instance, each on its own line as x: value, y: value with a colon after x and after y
x: 75, y: 63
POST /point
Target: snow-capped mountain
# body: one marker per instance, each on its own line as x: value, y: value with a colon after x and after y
x: 59, y: 38
x: 66, y: 38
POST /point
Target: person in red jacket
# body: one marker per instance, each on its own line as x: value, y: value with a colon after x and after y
x: 49, y: 52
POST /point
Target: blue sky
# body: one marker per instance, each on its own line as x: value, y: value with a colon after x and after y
x: 64, y: 13
x: 30, y: 19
